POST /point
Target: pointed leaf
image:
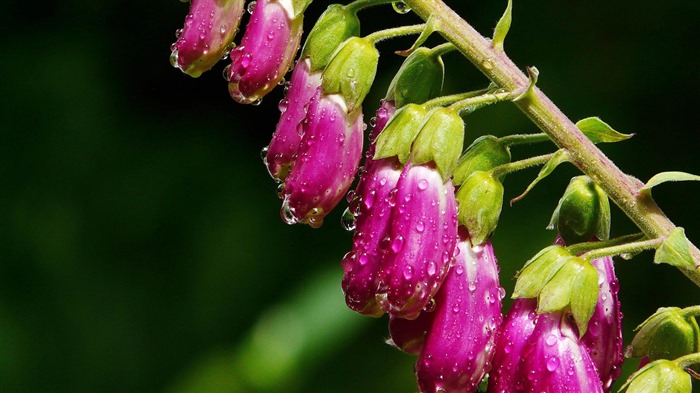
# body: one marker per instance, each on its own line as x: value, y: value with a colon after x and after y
x: 599, y: 131
x: 502, y: 27
x: 675, y: 250
x: 664, y: 177
x: 559, y: 157
x: 584, y: 296
x: 539, y: 271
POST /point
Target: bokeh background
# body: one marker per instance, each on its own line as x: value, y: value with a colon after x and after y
x: 141, y: 248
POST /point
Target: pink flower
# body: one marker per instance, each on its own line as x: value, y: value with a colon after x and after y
x: 209, y: 30
x: 266, y: 52
x: 421, y: 240
x: 460, y: 343
x: 603, y: 339
x: 284, y: 146
x: 327, y: 161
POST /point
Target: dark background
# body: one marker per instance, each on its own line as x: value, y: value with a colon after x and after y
x: 140, y: 244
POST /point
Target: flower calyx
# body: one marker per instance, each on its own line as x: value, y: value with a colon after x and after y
x: 583, y: 212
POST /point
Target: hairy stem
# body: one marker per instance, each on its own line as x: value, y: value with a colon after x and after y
x: 500, y: 69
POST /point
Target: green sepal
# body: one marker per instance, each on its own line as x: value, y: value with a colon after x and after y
x: 559, y: 157
x: 418, y: 80
x: 502, y: 27
x: 332, y: 28
x: 484, y: 154
x: 659, y: 376
x: 351, y: 71
x: 556, y: 292
x: 675, y: 250
x: 440, y: 140
x: 538, y: 270
x: 400, y: 132
x: 599, y: 131
x: 584, y: 296
x: 582, y: 213
x: 480, y: 199
x: 668, y: 334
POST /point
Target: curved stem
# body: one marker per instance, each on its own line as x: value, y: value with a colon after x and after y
x: 692, y: 311
x: 471, y: 104
x: 688, y: 360
x: 580, y: 248
x: 452, y: 98
x: 382, y: 35
x: 514, y: 166
x: 358, y: 5
x: 622, y: 189
x: 627, y: 248
x: 523, y: 139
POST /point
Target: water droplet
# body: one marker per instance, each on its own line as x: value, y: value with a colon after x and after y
x: 401, y: 7
x: 432, y: 268
x: 422, y: 184
x: 256, y: 102
x: 408, y: 272
x: 552, y: 363
x: 550, y: 340
x: 282, y: 82
x: 347, y: 221
x: 509, y: 347
x: 420, y: 227
x: 280, y: 191
x: 263, y: 153
x: 472, y: 286
x: 430, y: 306
x: 487, y: 64
x: 174, y: 58
x: 391, y: 198
x: 373, y: 122
x: 251, y: 7
x: 178, y: 33
x: 397, y: 244
x: 288, y: 213
x: 283, y: 104
x: 363, y: 259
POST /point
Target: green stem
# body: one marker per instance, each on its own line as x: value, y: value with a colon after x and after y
x: 622, y: 189
x: 692, y: 311
x: 442, y: 49
x: 688, y: 360
x: 358, y: 5
x: 580, y: 248
x: 469, y: 105
x: 523, y: 139
x: 514, y: 166
x: 452, y: 98
x: 627, y: 248
x: 394, y: 32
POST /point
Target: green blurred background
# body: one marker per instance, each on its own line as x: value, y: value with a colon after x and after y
x: 140, y: 244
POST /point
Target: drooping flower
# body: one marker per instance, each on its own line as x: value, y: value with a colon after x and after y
x: 332, y: 28
x: 266, y: 51
x: 283, y: 148
x: 603, y: 339
x: 205, y: 38
x: 460, y: 343
x: 328, y: 159
x: 421, y: 240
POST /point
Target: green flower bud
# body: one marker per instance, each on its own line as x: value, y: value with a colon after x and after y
x: 583, y: 212
x: 419, y: 78
x: 659, y: 376
x: 483, y: 154
x: 351, y: 71
x: 440, y: 140
x: 332, y: 28
x: 668, y: 334
x: 480, y: 200
x: 400, y: 132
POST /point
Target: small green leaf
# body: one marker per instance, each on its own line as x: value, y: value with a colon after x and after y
x: 400, y: 132
x: 599, y: 131
x: 502, y: 27
x: 539, y: 270
x: 584, y: 296
x: 675, y: 250
x: 533, y: 75
x: 664, y: 177
x: 561, y: 156
x: 441, y: 139
x: 556, y: 293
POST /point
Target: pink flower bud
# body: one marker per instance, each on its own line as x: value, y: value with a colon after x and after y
x: 603, y: 339
x: 460, y: 343
x: 554, y: 360
x: 266, y: 52
x: 421, y: 240
x: 209, y: 30
x: 283, y: 148
x: 519, y: 323
x: 327, y: 161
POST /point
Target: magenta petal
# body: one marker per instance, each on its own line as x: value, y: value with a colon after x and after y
x: 266, y: 51
x: 362, y: 264
x: 284, y: 146
x: 516, y: 329
x: 460, y: 344
x: 327, y: 161
x: 208, y: 31
x: 603, y: 339
x: 556, y: 361
x: 422, y: 238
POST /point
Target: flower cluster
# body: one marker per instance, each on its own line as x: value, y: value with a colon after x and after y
x: 423, y: 211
